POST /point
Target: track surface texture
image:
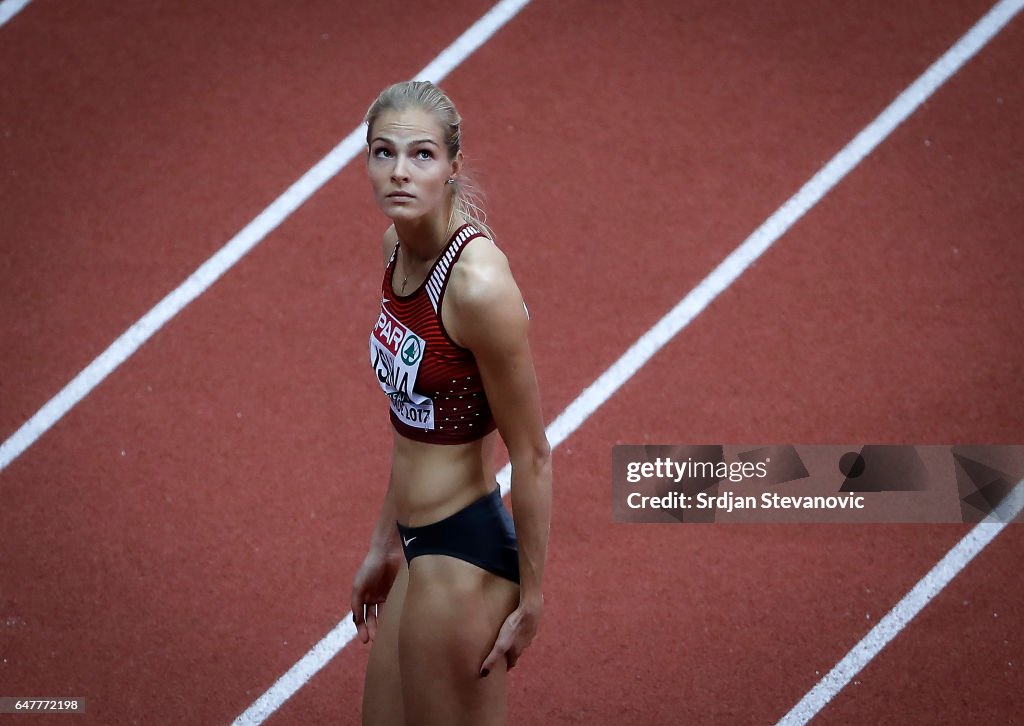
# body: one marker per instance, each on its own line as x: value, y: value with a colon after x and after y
x: 190, y: 529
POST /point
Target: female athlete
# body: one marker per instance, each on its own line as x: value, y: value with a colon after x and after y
x: 449, y: 592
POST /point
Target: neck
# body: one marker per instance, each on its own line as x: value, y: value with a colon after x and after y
x: 422, y: 239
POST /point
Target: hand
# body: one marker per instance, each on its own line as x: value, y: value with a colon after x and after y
x: 370, y: 589
x: 516, y: 633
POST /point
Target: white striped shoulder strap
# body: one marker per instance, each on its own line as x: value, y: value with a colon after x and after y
x: 439, y: 277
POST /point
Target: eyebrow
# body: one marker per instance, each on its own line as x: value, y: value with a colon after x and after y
x: 417, y: 142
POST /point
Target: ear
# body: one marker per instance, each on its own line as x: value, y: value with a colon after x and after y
x: 456, y: 166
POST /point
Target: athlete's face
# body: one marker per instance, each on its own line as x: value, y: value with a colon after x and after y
x: 408, y: 164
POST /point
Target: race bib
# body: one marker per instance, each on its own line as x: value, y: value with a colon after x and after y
x: 395, y: 354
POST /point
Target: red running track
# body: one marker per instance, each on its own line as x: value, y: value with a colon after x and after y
x: 189, y: 531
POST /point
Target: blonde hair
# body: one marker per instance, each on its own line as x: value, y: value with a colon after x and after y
x: 467, y: 200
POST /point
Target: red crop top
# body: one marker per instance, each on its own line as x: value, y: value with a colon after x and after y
x: 434, y: 384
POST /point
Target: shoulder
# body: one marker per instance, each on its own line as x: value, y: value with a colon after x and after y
x: 483, y: 297
x: 388, y: 243
x: 482, y: 278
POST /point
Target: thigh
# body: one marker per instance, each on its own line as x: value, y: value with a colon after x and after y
x: 382, y: 691
x: 451, y: 617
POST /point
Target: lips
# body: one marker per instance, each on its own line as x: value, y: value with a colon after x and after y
x: 400, y: 195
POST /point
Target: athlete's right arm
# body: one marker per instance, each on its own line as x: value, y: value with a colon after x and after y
x: 377, y: 574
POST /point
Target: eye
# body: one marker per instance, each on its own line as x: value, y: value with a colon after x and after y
x: 382, y: 152
x: 424, y: 154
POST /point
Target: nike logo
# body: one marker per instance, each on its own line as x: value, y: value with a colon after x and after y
x: 407, y: 541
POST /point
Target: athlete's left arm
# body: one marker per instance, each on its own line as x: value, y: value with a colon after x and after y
x: 487, y: 315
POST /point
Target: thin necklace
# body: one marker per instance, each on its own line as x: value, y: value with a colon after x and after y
x: 406, y: 265
x: 405, y: 279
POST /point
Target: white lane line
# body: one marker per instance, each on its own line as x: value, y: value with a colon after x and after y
x: 686, y: 310
x: 906, y: 609
x: 10, y: 8
x: 983, y: 533
x: 251, y: 235
x: 779, y: 223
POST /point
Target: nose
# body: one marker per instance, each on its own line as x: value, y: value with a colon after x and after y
x: 398, y: 171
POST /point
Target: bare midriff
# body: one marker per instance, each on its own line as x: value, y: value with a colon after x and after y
x: 432, y: 481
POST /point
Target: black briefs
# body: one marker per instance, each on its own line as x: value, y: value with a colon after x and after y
x: 482, y: 534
